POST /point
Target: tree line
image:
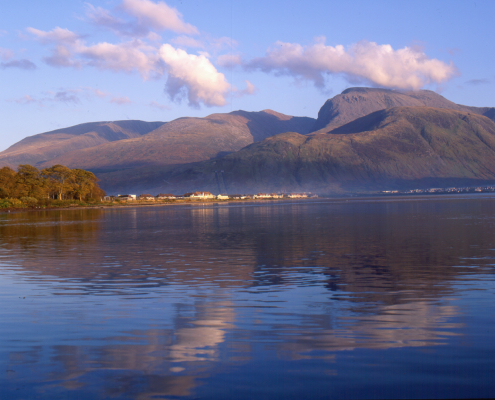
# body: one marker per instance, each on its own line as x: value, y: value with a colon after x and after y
x: 57, y: 182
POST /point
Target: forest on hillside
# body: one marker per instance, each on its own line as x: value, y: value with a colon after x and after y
x: 30, y: 185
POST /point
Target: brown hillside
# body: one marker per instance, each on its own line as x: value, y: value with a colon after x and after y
x: 46, y: 146
x: 185, y: 140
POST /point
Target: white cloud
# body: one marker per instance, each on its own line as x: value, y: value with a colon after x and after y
x: 71, y: 51
x: 154, y: 37
x: 57, y: 35
x: 145, y: 16
x: 104, y: 18
x: 381, y: 65
x: 62, y: 56
x: 158, y: 16
x: 195, y: 75
x: 65, y: 42
x: 188, y: 76
x: 124, y: 57
x: 250, y: 88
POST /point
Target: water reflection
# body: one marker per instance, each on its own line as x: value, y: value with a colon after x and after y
x: 143, y: 303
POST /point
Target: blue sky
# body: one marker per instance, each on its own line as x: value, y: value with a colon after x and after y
x: 67, y: 62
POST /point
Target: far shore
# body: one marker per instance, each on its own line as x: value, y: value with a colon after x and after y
x: 140, y: 203
x: 198, y: 202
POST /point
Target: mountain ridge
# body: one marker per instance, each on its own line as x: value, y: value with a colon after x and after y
x: 403, y: 147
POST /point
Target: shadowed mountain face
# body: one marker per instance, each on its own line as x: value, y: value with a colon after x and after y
x: 402, y: 147
x: 354, y: 103
x: 46, y: 146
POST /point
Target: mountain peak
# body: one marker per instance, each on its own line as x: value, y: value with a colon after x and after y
x: 357, y: 102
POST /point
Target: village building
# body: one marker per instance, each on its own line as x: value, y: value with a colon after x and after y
x: 199, y: 195
x: 126, y: 197
x: 297, y: 195
x: 222, y: 197
x: 262, y: 196
x: 147, y: 197
x: 165, y: 196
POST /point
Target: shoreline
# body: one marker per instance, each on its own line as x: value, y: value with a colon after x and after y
x: 106, y: 205
x: 130, y: 204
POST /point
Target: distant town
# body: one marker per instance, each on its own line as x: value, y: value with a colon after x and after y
x: 207, y: 196
x: 202, y: 195
x: 470, y: 189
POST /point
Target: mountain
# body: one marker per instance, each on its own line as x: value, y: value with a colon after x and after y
x: 46, y: 146
x: 403, y: 147
x: 354, y: 103
x: 363, y: 139
x: 97, y: 147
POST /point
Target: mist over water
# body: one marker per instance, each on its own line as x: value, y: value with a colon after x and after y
x: 363, y: 298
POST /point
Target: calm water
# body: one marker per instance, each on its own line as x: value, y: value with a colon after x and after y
x: 382, y: 298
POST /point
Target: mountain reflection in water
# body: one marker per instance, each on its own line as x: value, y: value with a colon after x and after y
x: 275, y: 299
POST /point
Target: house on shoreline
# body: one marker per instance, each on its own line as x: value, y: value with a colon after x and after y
x: 165, y: 196
x: 146, y: 197
x: 126, y: 197
x: 268, y: 196
x: 199, y: 195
